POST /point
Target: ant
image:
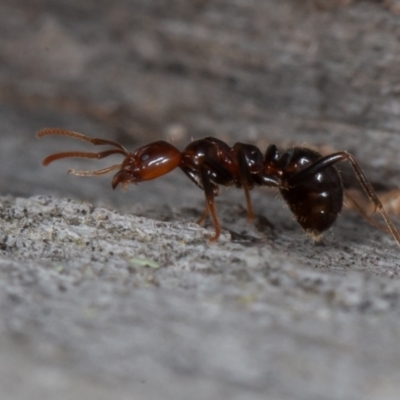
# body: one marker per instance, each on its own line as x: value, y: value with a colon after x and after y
x: 309, y: 183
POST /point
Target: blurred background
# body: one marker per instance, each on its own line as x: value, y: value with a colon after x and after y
x: 324, y: 73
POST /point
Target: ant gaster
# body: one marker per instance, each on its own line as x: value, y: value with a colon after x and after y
x: 309, y: 183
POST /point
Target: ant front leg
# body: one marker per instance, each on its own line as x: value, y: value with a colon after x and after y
x: 202, y: 176
x: 329, y: 161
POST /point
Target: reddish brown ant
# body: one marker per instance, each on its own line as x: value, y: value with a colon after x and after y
x: 309, y: 183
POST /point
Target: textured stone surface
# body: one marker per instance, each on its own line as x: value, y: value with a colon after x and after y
x: 119, y: 295
x: 93, y: 300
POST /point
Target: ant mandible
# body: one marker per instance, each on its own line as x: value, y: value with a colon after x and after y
x: 309, y: 183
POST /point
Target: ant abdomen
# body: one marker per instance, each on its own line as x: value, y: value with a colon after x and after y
x: 316, y: 200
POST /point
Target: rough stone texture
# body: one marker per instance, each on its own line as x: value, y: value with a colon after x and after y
x: 120, y: 295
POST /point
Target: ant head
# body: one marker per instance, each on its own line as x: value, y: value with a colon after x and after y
x: 146, y: 163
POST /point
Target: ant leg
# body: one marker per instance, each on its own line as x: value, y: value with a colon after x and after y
x: 193, y: 178
x: 250, y: 161
x: 203, y: 216
x: 364, y: 214
x: 244, y: 178
x: 250, y: 212
x: 209, y: 188
x: 332, y: 159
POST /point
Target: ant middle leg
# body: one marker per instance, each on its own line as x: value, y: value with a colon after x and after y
x: 250, y: 162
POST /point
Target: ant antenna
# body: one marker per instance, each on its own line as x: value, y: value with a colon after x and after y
x: 95, y: 141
